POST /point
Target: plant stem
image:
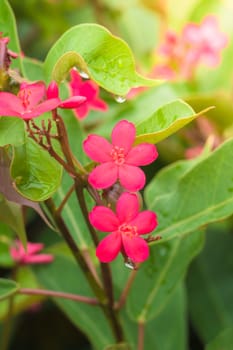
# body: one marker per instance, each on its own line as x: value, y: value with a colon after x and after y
x: 110, y: 314
x: 105, y: 269
x: 55, y: 294
x: 141, y: 335
x: 126, y: 290
x: 7, y: 325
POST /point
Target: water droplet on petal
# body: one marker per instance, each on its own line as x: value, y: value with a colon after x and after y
x: 130, y: 264
x: 84, y: 75
x: 120, y: 99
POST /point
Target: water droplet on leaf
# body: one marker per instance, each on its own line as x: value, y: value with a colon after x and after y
x: 84, y: 75
x: 120, y: 99
x: 130, y: 264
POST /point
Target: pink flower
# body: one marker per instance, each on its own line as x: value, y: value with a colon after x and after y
x: 20, y: 256
x: 31, y: 101
x: 119, y: 160
x: 206, y: 39
x: 125, y: 226
x: 197, y: 43
x: 90, y: 90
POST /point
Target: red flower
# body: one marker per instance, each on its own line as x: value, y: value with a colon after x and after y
x: 22, y: 257
x: 119, y: 160
x: 125, y: 226
x: 90, y: 90
x: 31, y: 101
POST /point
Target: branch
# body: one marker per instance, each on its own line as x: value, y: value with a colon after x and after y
x: 55, y: 294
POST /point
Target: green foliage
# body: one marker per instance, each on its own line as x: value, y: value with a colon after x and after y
x: 165, y: 121
x: 180, y: 210
x: 93, y: 49
x: 211, y: 306
x: 12, y: 131
x: 7, y: 288
x: 160, y: 275
x: 35, y: 173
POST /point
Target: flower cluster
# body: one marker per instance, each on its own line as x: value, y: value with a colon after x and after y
x: 197, y: 43
x: 119, y: 162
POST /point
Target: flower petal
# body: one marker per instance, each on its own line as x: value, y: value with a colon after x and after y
x: 36, y: 92
x: 146, y: 221
x: 37, y: 259
x: 10, y: 105
x: 44, y: 107
x: 109, y: 247
x: 97, y: 148
x: 104, y: 219
x: 127, y: 207
x: 72, y: 102
x: 33, y: 248
x: 143, y: 154
x: 135, y: 248
x: 104, y: 175
x: 131, y: 177
x: 123, y: 135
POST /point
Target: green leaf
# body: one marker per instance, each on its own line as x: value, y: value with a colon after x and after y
x: 140, y: 38
x: 168, y: 330
x: 202, y: 195
x: 122, y: 346
x: 223, y: 341
x: 6, y: 260
x: 7, y: 288
x: 211, y: 306
x: 165, y: 121
x: 25, y: 279
x: 81, y: 315
x: 8, y: 26
x: 12, y: 131
x: 160, y: 274
x: 35, y: 173
x: 104, y: 57
x: 11, y: 214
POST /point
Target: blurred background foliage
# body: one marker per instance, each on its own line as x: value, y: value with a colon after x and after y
x: 143, y: 23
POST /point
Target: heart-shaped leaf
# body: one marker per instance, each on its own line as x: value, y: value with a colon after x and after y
x: 103, y: 57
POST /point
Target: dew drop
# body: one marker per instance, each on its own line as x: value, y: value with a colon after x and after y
x: 120, y: 99
x: 129, y: 264
x: 84, y: 75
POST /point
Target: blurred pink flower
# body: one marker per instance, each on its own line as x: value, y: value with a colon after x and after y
x: 31, y: 101
x: 126, y: 226
x: 197, y: 43
x: 90, y: 90
x: 206, y: 39
x: 20, y: 256
x: 119, y: 160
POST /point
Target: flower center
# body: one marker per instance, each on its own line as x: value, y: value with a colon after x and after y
x: 118, y: 155
x: 128, y: 230
x: 25, y: 95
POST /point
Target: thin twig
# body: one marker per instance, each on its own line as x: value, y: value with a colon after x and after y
x: 141, y: 335
x: 65, y: 199
x: 125, y: 292
x: 55, y: 294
